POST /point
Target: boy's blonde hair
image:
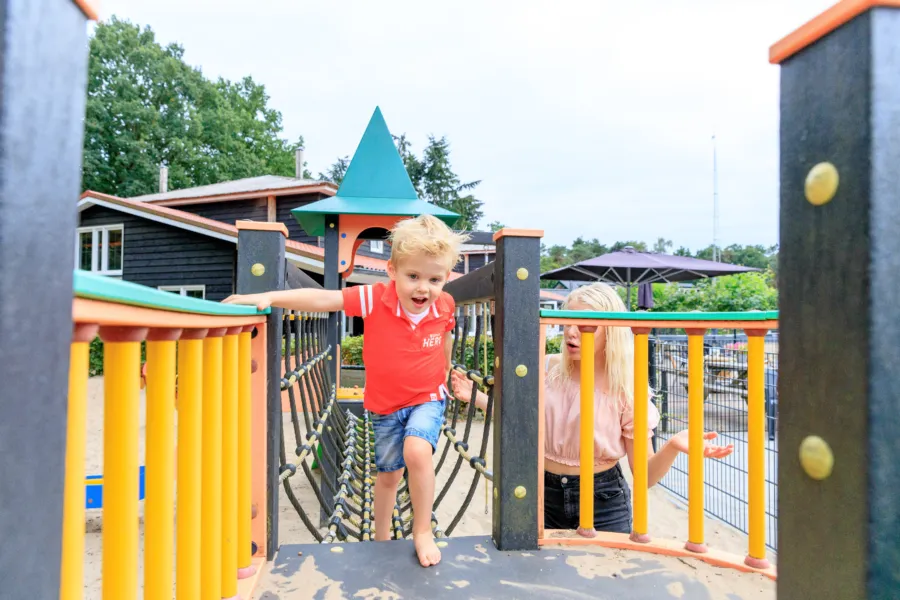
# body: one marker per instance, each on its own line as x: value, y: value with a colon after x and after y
x: 426, y: 235
x: 619, y: 344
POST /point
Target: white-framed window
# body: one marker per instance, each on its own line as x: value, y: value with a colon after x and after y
x: 376, y: 246
x: 100, y: 249
x: 191, y: 291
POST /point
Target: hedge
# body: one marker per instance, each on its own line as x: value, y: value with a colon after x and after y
x: 351, y: 351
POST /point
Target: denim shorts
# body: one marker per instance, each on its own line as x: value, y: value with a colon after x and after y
x: 423, y: 421
x: 612, y: 501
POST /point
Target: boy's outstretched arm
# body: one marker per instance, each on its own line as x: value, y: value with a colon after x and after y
x: 448, y: 350
x: 308, y: 300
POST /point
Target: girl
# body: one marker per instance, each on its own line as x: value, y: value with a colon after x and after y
x: 613, y: 425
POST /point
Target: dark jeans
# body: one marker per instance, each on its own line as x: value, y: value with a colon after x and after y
x: 612, y: 501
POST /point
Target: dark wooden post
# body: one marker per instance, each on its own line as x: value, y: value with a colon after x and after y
x: 261, y: 268
x: 42, y: 73
x: 332, y: 280
x: 838, y: 467
x: 516, y: 338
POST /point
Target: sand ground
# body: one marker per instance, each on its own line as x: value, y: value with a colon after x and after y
x: 668, y: 517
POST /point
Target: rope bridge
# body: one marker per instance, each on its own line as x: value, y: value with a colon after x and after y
x: 343, y: 443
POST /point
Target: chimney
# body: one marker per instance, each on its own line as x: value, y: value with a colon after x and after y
x: 298, y: 166
x: 163, y: 180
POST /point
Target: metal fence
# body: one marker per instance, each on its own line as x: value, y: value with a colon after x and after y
x: 725, y: 412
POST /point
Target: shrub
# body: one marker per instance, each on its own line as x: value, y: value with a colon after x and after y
x: 95, y: 357
x: 351, y: 351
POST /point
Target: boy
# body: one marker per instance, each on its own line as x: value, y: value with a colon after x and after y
x: 406, y: 350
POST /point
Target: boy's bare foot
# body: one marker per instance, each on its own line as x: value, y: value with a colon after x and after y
x: 427, y: 551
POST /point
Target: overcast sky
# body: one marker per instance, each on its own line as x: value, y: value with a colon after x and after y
x: 590, y: 118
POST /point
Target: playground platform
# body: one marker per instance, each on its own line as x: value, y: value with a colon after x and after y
x: 472, y: 567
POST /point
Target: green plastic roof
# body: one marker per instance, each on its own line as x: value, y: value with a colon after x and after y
x: 376, y: 183
x: 98, y: 287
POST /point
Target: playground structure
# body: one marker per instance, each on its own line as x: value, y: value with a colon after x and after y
x: 838, y: 320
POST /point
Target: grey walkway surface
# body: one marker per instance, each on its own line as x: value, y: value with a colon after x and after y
x: 473, y: 568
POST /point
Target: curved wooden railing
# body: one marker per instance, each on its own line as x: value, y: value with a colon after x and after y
x: 201, y: 363
x: 755, y: 324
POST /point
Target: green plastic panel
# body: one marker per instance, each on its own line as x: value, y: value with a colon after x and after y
x: 311, y: 217
x: 376, y: 169
x: 376, y: 183
x: 771, y: 315
x: 97, y: 287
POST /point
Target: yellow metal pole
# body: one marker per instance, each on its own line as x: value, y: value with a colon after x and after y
x: 639, y: 531
x: 159, y: 502
x: 211, y: 479
x: 586, y: 457
x: 190, y: 411
x: 229, y: 462
x: 72, y: 567
x: 756, y: 472
x: 695, y: 541
x: 121, y: 419
x: 244, y: 431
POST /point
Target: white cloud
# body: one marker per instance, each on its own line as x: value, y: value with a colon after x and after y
x: 581, y: 118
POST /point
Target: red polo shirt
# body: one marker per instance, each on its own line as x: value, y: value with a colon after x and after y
x: 405, y: 362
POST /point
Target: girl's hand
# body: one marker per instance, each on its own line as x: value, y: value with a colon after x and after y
x: 680, y: 442
x: 261, y: 301
x: 462, y: 386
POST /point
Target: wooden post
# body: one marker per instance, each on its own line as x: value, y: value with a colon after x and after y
x: 332, y: 280
x: 42, y: 73
x: 516, y: 337
x: 261, y: 268
x: 839, y: 271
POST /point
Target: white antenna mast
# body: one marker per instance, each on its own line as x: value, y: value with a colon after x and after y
x: 715, y: 204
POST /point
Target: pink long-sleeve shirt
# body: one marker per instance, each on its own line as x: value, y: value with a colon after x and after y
x: 612, y: 424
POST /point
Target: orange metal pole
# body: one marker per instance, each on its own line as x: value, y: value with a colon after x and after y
x: 542, y: 376
x: 695, y: 541
x: 259, y: 526
x: 244, y: 457
x: 641, y: 453
x: 72, y: 567
x: 756, y: 449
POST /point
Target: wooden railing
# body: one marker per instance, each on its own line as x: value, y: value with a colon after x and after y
x: 204, y: 361
x: 755, y: 325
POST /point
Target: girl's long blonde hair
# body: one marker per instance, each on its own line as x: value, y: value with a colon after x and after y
x: 619, y: 344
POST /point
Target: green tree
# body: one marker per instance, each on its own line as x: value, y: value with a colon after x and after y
x: 495, y: 226
x: 662, y: 245
x: 731, y: 293
x: 638, y: 246
x: 336, y: 171
x: 146, y: 107
x: 435, y: 181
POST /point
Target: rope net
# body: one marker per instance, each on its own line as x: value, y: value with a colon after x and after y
x: 343, y: 444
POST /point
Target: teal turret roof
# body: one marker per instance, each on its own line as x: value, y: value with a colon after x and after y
x: 376, y: 183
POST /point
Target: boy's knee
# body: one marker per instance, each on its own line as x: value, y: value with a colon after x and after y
x: 417, y: 452
x: 389, y: 477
